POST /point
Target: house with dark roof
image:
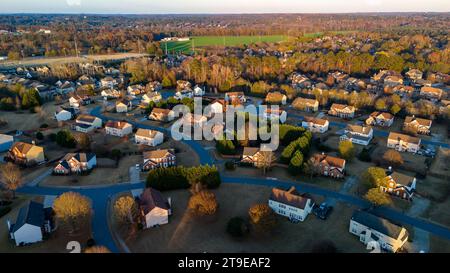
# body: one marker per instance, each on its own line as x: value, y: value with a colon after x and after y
x: 154, y: 209
x: 32, y: 223
x: 87, y: 123
x: 290, y: 204
x: 372, y: 229
x: 76, y: 163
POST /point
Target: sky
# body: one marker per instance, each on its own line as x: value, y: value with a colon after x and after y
x: 221, y: 6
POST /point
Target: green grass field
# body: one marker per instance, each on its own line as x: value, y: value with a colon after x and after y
x: 201, y: 41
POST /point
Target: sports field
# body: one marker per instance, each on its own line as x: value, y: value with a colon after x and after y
x: 201, y: 41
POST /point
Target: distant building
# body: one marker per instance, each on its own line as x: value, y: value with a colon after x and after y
x: 276, y: 98
x: 151, y: 97
x: 235, y: 96
x: 414, y: 74
x: 198, y: 91
x: 371, y: 228
x: 77, y: 101
x: 432, y: 93
x: 160, y: 114
x: 123, y: 106
x: 187, y: 93
x: 290, y: 204
x: 279, y: 115
x: 63, y: 115
x: 87, y: 123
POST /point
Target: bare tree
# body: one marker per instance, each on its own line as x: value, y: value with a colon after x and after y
x: 73, y: 210
x: 265, y: 160
x: 126, y: 210
x: 11, y: 177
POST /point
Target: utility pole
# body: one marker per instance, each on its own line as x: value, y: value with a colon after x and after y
x: 166, y: 47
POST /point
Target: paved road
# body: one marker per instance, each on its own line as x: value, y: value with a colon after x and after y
x: 348, y: 184
x: 376, y: 132
x: 100, y: 195
x: 40, y: 178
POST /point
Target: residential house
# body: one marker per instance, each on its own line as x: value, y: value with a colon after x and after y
x: 87, y: 123
x: 432, y: 93
x: 108, y: 82
x: 183, y: 85
x: 110, y: 94
x: 403, y: 143
x: 64, y: 87
x: 32, y: 224
x: 148, y: 137
x: 254, y: 156
x: 309, y: 105
x: 160, y: 114
x: 123, y: 106
x: 235, y: 96
x: 76, y: 163
x: 290, y: 204
x: 393, y: 80
x: 154, y: 209
x: 198, y: 91
x: 276, y: 98
x: 315, y: 125
x: 63, y: 115
x: 342, y: 110
x: 6, y: 141
x: 136, y: 89
x: 300, y: 81
x: 151, y: 97
x: 186, y: 93
x: 327, y: 165
x: 398, y: 184
x: 278, y: 114
x: 383, y: 119
x: 358, y: 134
x: 414, y: 74
x: 154, y: 86
x: 159, y: 159
x: 26, y: 154
x: 216, y: 107
x: 371, y: 228
x: 76, y: 101
x: 194, y: 120
x: 118, y: 128
x: 403, y: 91
x: 417, y: 125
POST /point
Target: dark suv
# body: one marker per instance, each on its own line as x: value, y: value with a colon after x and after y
x: 322, y: 211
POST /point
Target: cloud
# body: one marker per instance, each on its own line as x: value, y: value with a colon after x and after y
x: 73, y: 2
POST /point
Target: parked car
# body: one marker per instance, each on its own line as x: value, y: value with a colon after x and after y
x: 322, y: 211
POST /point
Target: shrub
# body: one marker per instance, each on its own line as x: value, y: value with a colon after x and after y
x: 393, y: 158
x: 377, y: 197
x: 237, y: 227
x: 44, y: 125
x: 289, y: 133
x: 226, y: 147
x: 39, y: 136
x: 347, y: 150
x: 65, y: 138
x: 372, y: 176
x: 203, y: 203
x: 262, y: 218
x: 4, y: 211
x: 230, y: 165
x: 296, y: 163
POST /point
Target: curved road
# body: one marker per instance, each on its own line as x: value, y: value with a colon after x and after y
x: 101, y: 195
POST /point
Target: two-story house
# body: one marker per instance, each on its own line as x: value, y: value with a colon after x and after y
x: 309, y: 105
x: 87, y: 123
x: 159, y: 114
x: 315, y: 125
x: 358, y: 134
x: 159, y: 159
x: 148, y: 137
x: 416, y: 125
x: 76, y: 163
x: 342, y: 110
x: 118, y: 128
x: 327, y: 165
x: 383, y: 119
x: 290, y: 204
x: 403, y: 143
x: 26, y: 154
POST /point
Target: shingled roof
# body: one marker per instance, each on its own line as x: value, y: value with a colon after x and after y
x: 151, y: 199
x: 377, y: 223
x: 32, y: 214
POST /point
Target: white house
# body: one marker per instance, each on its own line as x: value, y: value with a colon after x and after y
x: 108, y: 82
x: 110, y: 94
x: 279, y: 115
x: 235, y: 96
x: 380, y: 118
x: 160, y: 114
x: 151, y: 97
x: 198, y: 91
x: 371, y: 228
x: 77, y: 101
x: 123, y: 106
x: 315, y: 125
x: 276, y: 97
x: 148, y: 137
x: 31, y: 224
x: 187, y: 93
x: 358, y: 134
x: 87, y: 123
x: 342, y: 110
x: 135, y: 89
x: 63, y: 115
x: 194, y: 120
x: 118, y: 128
x: 290, y: 204
x: 403, y: 143
x: 154, y: 209
x: 216, y: 107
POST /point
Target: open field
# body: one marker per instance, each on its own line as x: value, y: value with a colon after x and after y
x: 202, y: 41
x: 188, y: 233
x: 38, y: 61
